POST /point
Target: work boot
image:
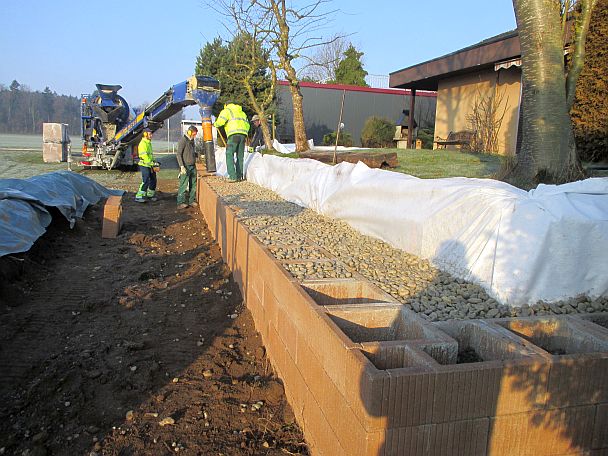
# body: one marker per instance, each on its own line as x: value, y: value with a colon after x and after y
x: 140, y: 200
x: 182, y: 206
x: 194, y: 204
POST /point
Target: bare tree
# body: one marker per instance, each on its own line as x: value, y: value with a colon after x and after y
x: 323, y: 62
x: 250, y: 57
x: 290, y: 30
x: 548, y: 152
x: 485, y: 120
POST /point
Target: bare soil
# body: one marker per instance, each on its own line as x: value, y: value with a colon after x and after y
x: 135, y: 345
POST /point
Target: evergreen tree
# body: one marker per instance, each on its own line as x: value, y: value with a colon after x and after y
x: 24, y: 111
x: 231, y: 65
x: 350, y: 69
x: 46, y: 107
x: 215, y: 60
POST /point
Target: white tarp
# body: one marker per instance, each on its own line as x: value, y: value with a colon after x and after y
x: 547, y: 244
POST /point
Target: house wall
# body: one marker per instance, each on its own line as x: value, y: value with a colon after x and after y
x: 456, y: 97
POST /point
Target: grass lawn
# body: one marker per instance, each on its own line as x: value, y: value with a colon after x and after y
x: 432, y: 164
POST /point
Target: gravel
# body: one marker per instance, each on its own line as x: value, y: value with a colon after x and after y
x: 312, y: 246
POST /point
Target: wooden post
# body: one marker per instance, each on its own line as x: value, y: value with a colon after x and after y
x: 410, y: 127
x: 338, y: 129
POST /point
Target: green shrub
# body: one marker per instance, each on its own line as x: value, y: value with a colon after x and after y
x: 378, y: 132
x: 427, y: 135
x: 345, y: 139
x: 590, y: 113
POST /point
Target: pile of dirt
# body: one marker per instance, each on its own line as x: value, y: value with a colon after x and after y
x: 138, y: 345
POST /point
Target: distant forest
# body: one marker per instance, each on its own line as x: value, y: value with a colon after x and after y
x: 23, y: 111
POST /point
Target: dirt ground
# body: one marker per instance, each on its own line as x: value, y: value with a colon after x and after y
x: 139, y: 345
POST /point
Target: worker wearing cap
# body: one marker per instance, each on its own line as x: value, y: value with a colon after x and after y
x: 186, y: 159
x: 234, y: 121
x: 147, y: 189
x: 258, y: 136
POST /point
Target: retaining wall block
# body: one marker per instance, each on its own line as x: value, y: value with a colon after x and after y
x: 240, y: 270
x: 578, y: 380
x: 557, y: 431
x: 295, y: 387
x: 324, y: 441
x: 255, y: 282
x: 463, y: 438
x: 329, y: 292
x: 112, y: 217
x: 600, y: 430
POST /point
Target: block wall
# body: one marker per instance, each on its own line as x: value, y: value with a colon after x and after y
x: 366, y: 376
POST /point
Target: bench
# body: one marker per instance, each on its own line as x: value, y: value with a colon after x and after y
x: 456, y: 138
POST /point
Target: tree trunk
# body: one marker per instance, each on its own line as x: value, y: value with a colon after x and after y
x: 299, y: 129
x: 578, y: 57
x: 298, y: 119
x: 548, y: 152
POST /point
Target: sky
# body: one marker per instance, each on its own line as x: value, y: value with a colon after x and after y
x: 147, y: 46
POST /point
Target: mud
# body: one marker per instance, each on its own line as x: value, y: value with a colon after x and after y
x: 138, y: 345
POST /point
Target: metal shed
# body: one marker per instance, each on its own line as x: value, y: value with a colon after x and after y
x: 322, y: 108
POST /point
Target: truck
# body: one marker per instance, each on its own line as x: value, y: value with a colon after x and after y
x: 111, y: 130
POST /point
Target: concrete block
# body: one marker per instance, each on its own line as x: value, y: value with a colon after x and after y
x: 464, y: 438
x: 331, y: 347
x: 554, y: 431
x: 382, y: 323
x: 479, y: 341
x: 398, y: 354
x: 600, y: 429
x: 240, y: 270
x: 255, y: 282
x: 324, y: 440
x: 578, y: 380
x: 112, y: 217
x: 287, y: 331
x: 328, y: 292
x: 55, y: 133
x: 54, y: 152
x: 556, y: 335
x: 295, y: 387
x: 276, y: 351
x: 596, y: 319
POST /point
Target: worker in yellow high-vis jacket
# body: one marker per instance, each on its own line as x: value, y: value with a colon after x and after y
x: 147, y: 189
x: 234, y: 121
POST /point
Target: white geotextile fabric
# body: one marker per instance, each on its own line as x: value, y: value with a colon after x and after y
x: 547, y: 244
x: 288, y: 148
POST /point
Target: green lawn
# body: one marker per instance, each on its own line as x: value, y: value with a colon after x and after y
x: 432, y: 164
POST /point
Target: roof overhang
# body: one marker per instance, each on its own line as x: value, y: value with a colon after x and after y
x: 426, y: 76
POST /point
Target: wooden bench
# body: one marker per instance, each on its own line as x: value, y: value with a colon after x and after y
x: 455, y: 138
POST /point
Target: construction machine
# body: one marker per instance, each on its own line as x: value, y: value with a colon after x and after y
x: 111, y: 130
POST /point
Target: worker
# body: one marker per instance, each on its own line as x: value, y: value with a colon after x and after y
x: 258, y: 137
x: 186, y: 158
x: 147, y: 189
x: 235, y: 123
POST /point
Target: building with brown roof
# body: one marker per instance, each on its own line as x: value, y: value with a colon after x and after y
x: 463, y: 77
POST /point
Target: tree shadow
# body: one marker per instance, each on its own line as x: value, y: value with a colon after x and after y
x: 527, y: 385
